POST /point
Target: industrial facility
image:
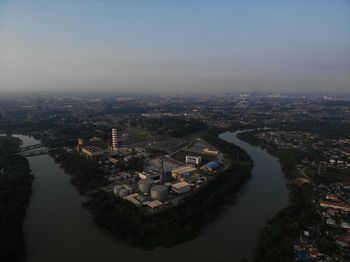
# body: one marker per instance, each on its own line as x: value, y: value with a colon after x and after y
x: 161, y: 180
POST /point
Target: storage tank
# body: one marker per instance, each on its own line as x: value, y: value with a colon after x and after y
x: 159, y: 192
x: 129, y: 188
x: 145, y: 185
x: 123, y: 192
x: 116, y: 189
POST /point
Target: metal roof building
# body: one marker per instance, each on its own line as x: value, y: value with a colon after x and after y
x: 211, y: 166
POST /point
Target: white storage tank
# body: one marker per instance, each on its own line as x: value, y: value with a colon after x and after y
x: 123, y: 192
x: 159, y: 192
x: 145, y: 185
x: 129, y: 188
x: 116, y: 189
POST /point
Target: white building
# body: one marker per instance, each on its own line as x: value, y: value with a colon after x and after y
x: 195, y: 160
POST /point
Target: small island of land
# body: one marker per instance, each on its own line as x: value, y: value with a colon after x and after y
x: 141, y: 217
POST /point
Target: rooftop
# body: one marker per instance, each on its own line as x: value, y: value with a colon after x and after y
x: 180, y: 184
x: 153, y: 204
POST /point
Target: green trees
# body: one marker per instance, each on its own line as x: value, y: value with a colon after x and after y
x: 277, y: 238
x: 15, y: 191
x: 85, y: 173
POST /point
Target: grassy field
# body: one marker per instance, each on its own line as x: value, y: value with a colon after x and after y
x: 138, y: 135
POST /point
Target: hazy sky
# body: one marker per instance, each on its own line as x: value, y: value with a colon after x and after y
x: 182, y: 45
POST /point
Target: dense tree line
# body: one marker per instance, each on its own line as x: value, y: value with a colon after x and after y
x: 8, y: 145
x: 85, y: 174
x: 15, y: 191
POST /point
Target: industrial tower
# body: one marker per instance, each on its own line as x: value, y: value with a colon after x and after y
x: 114, y: 139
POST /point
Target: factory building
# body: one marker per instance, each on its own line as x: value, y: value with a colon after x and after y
x: 114, y: 139
x: 180, y: 171
x: 92, y: 151
x: 134, y: 198
x: 194, y: 160
x: 154, y: 205
x: 181, y: 187
x: 151, y: 175
x: 211, y: 151
x: 211, y: 166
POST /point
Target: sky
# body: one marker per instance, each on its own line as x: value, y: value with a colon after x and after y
x: 184, y: 46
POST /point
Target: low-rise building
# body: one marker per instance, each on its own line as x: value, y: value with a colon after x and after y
x: 178, y: 172
x: 335, y: 205
x: 134, y: 198
x: 92, y: 151
x: 194, y: 160
x: 211, y: 166
x: 181, y: 187
x: 211, y: 151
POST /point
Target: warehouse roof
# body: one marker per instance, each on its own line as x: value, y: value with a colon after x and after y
x: 184, y: 169
x: 180, y: 185
x: 213, y: 165
x: 154, y: 203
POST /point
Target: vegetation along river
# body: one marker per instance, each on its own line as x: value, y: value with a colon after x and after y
x: 57, y: 228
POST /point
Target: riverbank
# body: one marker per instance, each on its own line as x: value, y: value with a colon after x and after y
x: 15, y: 192
x: 173, y: 226
x: 278, y: 236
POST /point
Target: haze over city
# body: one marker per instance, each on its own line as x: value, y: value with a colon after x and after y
x: 178, y: 46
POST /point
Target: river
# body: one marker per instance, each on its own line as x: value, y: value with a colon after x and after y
x: 57, y: 228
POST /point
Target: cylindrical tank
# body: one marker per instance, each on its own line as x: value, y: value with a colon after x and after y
x: 123, y: 192
x: 159, y: 192
x: 145, y: 185
x: 116, y: 189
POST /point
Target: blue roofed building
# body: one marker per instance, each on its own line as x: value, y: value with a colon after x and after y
x: 211, y: 166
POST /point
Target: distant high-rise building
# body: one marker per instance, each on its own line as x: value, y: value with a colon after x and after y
x: 114, y: 139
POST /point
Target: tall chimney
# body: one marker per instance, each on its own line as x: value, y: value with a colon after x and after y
x: 114, y: 139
